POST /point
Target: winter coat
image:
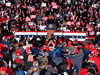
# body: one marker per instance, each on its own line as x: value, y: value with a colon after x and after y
x: 57, y: 60
x: 77, y: 59
x: 50, y: 61
x: 95, y: 60
x: 38, y: 44
x: 25, y: 56
x: 35, y: 51
x: 5, y: 32
x: 44, y: 64
x: 86, y: 52
x: 7, y: 43
x: 4, y: 51
x: 27, y: 65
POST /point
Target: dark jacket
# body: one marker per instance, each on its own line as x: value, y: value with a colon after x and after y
x: 25, y: 56
x: 4, y: 51
x: 50, y: 21
x: 53, y: 64
x: 5, y: 32
x: 38, y: 44
x: 27, y: 65
x: 62, y: 68
x: 1, y: 37
x: 43, y: 72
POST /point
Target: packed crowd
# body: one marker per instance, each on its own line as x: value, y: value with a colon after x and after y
x: 33, y: 15
x: 40, y: 56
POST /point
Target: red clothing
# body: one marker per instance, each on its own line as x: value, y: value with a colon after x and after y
x: 91, y: 49
x: 83, y: 71
x: 75, y: 41
x: 60, y: 40
x: 9, y: 71
x: 69, y: 43
x: 46, y: 42
x: 96, y: 61
x: 3, y: 19
x: 55, y: 42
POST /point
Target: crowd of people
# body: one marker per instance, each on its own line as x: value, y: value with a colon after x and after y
x: 33, y: 15
x: 40, y: 56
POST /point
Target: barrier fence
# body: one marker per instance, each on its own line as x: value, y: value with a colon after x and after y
x: 81, y: 36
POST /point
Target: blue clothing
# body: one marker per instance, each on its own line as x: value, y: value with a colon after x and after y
x: 87, y: 51
x: 56, y: 53
x: 20, y: 72
x: 34, y: 51
x: 4, y: 51
x: 58, y: 47
x: 7, y: 43
x: 33, y: 2
x: 99, y: 41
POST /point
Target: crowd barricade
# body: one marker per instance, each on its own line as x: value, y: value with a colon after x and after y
x: 80, y: 36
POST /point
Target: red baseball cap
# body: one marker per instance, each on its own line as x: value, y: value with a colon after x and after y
x: 87, y: 46
x: 17, y: 60
x: 60, y: 41
x: 14, y: 26
x: 23, y: 19
x: 3, y: 68
x: 91, y: 45
x: 42, y: 48
x: 43, y: 14
x: 83, y: 71
x: 50, y: 16
x: 81, y: 46
x: 28, y: 39
x: 69, y: 43
x: 91, y: 49
x: 47, y: 49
